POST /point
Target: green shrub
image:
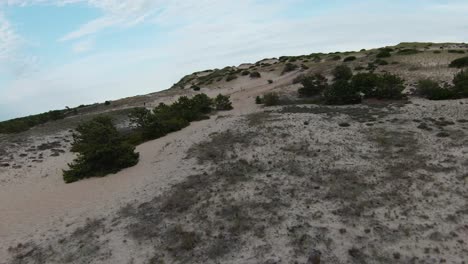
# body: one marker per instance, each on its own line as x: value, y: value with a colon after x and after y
x: 245, y: 73
x: 437, y: 52
x: 460, y: 82
x: 231, y: 77
x: 255, y: 74
x: 407, y: 52
x: 271, y: 99
x: 101, y: 151
x: 298, y: 79
x: 289, y: 67
x: 342, y: 93
x: 270, y: 81
x: 342, y: 72
x: 459, y: 63
x: 381, y: 62
x: 457, y: 51
x: 384, y: 54
x: 350, y: 58
x: 258, y: 100
x: 335, y: 57
x: 24, y: 123
x: 222, y: 102
x: 107, y: 103
x: 389, y: 87
x: 366, y: 83
x: 359, y: 68
x: 431, y: 90
x: 195, y: 87
x: 312, y: 85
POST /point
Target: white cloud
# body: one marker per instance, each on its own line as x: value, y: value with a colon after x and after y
x: 83, y: 46
x: 9, y: 40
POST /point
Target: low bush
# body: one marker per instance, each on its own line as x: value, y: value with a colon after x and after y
x: 335, y: 57
x: 270, y: 81
x: 24, y: 123
x: 384, y: 54
x: 459, y: 63
x: 289, y: 67
x: 381, y: 62
x: 255, y: 74
x: 298, y: 79
x: 460, y: 83
x: 457, y: 51
x: 195, y: 87
x: 245, y: 73
x: 258, y: 100
x: 350, y: 58
x: 271, y: 99
x: 433, y: 91
x: 389, y: 87
x: 407, y: 52
x: 366, y: 83
x: 342, y: 93
x: 342, y: 72
x: 222, y: 103
x: 107, y: 103
x: 101, y: 150
x: 231, y: 77
x: 312, y: 85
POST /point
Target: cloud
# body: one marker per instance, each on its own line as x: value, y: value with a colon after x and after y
x: 83, y: 46
x: 9, y: 40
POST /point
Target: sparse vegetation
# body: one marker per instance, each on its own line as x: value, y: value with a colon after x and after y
x: 24, y: 123
x: 384, y: 53
x: 342, y: 72
x: 271, y: 99
x: 222, y: 103
x: 350, y: 58
x: 460, y: 82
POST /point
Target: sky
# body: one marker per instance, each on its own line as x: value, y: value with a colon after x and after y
x: 57, y: 53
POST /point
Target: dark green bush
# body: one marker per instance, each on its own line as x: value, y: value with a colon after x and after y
x: 222, y: 102
x: 195, y: 87
x: 231, y: 77
x: 460, y: 82
x: 431, y: 90
x: 342, y: 93
x: 384, y: 54
x: 459, y: 63
x: 245, y: 73
x: 24, y: 123
x: 101, y: 151
x: 298, y: 79
x: 289, y: 67
x: 342, y: 72
x: 381, y: 62
x: 389, y: 87
x: 255, y: 74
x: 457, y: 51
x: 366, y: 83
x: 350, y: 58
x: 258, y: 100
x: 312, y: 85
x: 335, y: 57
x: 271, y: 99
x: 270, y: 81
x: 107, y: 102
x: 407, y: 52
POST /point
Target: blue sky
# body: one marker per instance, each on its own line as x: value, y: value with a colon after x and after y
x: 57, y: 53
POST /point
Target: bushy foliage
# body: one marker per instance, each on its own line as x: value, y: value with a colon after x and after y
x: 222, y: 102
x: 433, y: 91
x: 258, y: 100
x: 231, y: 77
x: 195, y: 88
x: 101, y: 150
x: 389, y: 87
x: 381, y: 62
x: 342, y: 93
x: 107, y: 103
x: 335, y: 57
x: 350, y: 58
x: 385, y: 53
x: 459, y: 63
x: 271, y: 99
x: 366, y: 83
x: 460, y: 83
x: 312, y: 85
x: 342, y: 72
x: 457, y: 51
x: 407, y: 52
x: 24, y: 123
x: 289, y: 67
x: 255, y: 74
x: 245, y: 73
x: 164, y: 119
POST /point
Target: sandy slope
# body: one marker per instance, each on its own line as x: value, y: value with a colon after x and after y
x: 36, y: 199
